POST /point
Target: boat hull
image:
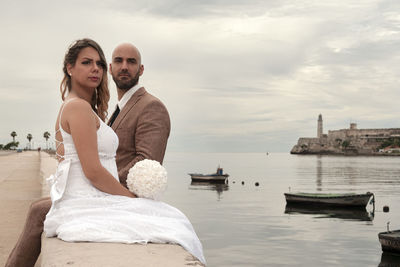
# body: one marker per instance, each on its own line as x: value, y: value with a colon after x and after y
x: 337, y: 200
x: 209, y: 178
x: 390, y: 241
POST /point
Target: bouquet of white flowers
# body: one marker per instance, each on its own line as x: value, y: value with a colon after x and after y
x: 147, y: 179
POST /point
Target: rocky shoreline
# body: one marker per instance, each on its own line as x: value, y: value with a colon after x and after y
x: 328, y: 153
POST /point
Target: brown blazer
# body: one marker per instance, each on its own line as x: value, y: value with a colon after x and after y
x: 143, y: 128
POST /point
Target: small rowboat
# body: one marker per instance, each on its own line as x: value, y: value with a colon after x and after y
x: 350, y: 200
x: 390, y: 240
x: 218, y: 177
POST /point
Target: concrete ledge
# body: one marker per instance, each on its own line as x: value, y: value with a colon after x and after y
x: 57, y: 253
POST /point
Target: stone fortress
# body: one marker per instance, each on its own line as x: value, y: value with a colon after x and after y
x: 350, y: 141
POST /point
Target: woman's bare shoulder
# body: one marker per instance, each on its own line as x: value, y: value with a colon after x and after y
x: 76, y: 103
x: 77, y: 109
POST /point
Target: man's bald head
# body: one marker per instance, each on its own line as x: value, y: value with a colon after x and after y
x: 126, y: 66
x: 128, y: 48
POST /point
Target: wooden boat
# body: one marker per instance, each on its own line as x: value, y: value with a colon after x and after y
x: 390, y: 241
x: 350, y: 200
x: 218, y: 177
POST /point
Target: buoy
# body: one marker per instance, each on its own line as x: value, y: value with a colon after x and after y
x: 257, y: 184
x: 385, y: 208
x: 242, y: 182
x: 233, y: 182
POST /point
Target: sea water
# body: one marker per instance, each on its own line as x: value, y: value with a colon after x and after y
x: 241, y: 224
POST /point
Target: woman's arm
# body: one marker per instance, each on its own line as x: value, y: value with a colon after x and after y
x: 79, y: 119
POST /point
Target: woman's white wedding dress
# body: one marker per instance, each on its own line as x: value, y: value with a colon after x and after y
x: 81, y: 212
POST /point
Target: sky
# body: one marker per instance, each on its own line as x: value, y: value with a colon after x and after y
x: 235, y: 75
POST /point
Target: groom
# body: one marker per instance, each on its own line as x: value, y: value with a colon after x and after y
x: 140, y: 120
x: 142, y: 124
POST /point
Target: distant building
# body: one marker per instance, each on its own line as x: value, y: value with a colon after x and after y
x: 348, y: 141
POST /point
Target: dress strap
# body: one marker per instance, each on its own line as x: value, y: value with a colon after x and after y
x: 61, y: 111
x: 58, y: 142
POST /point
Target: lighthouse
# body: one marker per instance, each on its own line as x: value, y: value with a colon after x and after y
x: 320, y: 129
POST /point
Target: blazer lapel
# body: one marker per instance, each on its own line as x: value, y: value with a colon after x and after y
x: 131, y: 102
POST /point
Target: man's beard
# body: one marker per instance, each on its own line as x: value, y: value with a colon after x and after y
x: 126, y: 85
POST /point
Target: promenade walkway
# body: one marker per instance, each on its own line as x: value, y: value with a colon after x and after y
x: 20, y: 184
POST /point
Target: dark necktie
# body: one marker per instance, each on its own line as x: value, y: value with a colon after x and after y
x: 114, y: 116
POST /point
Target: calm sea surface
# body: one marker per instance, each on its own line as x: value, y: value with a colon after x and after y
x: 246, y: 225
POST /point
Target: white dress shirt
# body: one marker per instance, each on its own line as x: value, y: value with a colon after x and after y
x: 128, y: 94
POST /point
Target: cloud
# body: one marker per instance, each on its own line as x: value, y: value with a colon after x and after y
x: 234, y: 75
x: 191, y: 9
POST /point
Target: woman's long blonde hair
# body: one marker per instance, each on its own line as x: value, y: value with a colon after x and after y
x: 101, y: 95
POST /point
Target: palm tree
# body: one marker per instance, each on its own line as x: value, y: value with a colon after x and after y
x: 46, y: 135
x: 29, y: 137
x: 13, y: 134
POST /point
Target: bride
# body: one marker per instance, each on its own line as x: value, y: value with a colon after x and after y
x: 88, y: 201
